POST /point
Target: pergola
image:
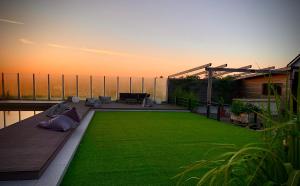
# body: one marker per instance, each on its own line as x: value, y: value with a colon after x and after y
x: 245, y: 71
x: 221, y: 70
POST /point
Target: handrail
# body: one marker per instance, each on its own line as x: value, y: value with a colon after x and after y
x: 191, y: 104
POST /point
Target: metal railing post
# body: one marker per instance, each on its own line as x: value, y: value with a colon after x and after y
x: 49, y: 93
x: 91, y: 86
x: 63, y: 86
x: 142, y: 84
x: 77, y: 85
x: 167, y: 90
x: 154, y: 94
x: 18, y: 84
x: 33, y: 87
x: 3, y: 87
x: 130, y: 85
x: 118, y: 84
x: 104, y: 86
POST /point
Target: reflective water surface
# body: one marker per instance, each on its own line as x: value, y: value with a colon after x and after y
x: 11, y: 117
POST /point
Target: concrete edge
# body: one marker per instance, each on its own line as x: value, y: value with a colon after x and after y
x: 138, y: 110
x: 86, y: 121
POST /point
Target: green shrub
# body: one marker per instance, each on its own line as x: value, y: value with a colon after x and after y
x: 239, y: 107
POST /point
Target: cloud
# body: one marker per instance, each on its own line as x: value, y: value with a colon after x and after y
x: 107, y: 52
x: 90, y: 50
x: 58, y: 46
x: 27, y: 41
x: 11, y: 21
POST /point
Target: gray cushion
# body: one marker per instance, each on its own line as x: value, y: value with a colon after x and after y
x: 59, y: 123
x: 90, y: 101
x: 56, y: 109
x: 72, y: 114
x: 105, y: 99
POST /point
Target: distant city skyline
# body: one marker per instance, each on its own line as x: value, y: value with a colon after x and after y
x: 145, y: 38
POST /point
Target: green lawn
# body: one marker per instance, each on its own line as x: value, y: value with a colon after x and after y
x: 147, y: 148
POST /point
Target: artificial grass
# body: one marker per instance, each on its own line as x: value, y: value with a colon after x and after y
x: 148, y: 148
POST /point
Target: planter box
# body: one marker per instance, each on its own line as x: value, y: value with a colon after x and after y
x: 242, y: 118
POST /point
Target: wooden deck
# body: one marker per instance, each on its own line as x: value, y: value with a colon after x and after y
x: 27, y: 150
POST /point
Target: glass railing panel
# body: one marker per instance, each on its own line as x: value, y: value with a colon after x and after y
x: 84, y: 87
x: 160, y: 94
x: 124, y: 84
x: 26, y: 86
x: 41, y: 86
x: 149, y: 86
x: 10, y: 86
x: 111, y: 87
x: 56, y: 87
x: 70, y: 85
x: 136, y: 85
x: 98, y: 86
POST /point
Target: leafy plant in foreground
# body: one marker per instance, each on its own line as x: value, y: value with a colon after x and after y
x: 264, y: 163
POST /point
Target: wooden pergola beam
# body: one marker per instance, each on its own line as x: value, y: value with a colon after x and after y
x: 223, y: 73
x: 190, y: 70
x: 204, y: 72
x: 247, y: 73
x: 246, y: 70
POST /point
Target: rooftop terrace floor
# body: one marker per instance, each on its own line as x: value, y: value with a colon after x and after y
x: 148, y: 148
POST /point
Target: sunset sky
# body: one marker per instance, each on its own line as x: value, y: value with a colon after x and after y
x: 145, y: 37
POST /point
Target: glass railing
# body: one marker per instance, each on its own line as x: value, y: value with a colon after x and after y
x: 59, y: 87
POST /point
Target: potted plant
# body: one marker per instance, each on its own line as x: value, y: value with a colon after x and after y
x: 240, y: 111
x: 221, y: 104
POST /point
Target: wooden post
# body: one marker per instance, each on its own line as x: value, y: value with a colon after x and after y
x: 33, y: 87
x: 18, y: 84
x: 189, y: 104
x: 49, y: 93
x: 77, y: 94
x: 142, y: 84
x: 91, y: 86
x: 104, y: 85
x: 3, y: 87
x: 118, y: 81
x: 209, y: 87
x: 63, y: 86
x: 219, y: 112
